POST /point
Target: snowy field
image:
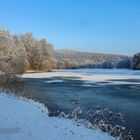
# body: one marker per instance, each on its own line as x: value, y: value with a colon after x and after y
x: 22, y: 119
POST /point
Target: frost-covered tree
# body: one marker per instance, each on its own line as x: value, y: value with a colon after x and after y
x: 125, y: 63
x: 47, y: 53
x: 136, y: 62
x: 107, y: 65
x: 19, y: 53
x: 39, y: 52
x: 11, y: 57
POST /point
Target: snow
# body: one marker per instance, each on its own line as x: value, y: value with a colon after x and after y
x: 22, y: 119
x: 92, y: 75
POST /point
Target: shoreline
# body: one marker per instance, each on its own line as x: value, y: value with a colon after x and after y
x: 28, y: 120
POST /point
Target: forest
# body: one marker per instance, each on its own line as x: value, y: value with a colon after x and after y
x: 24, y: 53
x: 75, y: 59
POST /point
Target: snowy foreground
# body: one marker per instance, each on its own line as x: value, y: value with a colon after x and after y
x: 22, y: 119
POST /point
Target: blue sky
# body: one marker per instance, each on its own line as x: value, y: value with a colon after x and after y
x: 106, y: 26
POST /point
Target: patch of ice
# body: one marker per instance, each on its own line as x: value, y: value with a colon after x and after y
x: 90, y: 82
x: 111, y: 82
x: 96, y: 75
x: 54, y: 81
x: 86, y: 85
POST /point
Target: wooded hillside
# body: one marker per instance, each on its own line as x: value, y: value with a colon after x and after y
x: 74, y: 59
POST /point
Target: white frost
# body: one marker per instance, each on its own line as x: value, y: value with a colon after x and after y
x: 24, y: 120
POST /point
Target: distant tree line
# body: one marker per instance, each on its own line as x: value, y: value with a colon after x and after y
x: 70, y: 59
x: 21, y: 53
x: 75, y: 59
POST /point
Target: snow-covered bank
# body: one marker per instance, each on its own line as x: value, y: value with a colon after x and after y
x: 26, y: 120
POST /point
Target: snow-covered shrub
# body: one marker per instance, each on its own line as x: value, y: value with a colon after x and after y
x: 103, y: 119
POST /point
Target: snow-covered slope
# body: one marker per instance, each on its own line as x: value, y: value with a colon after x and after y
x: 21, y: 119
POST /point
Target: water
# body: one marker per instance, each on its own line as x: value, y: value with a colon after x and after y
x: 60, y: 93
